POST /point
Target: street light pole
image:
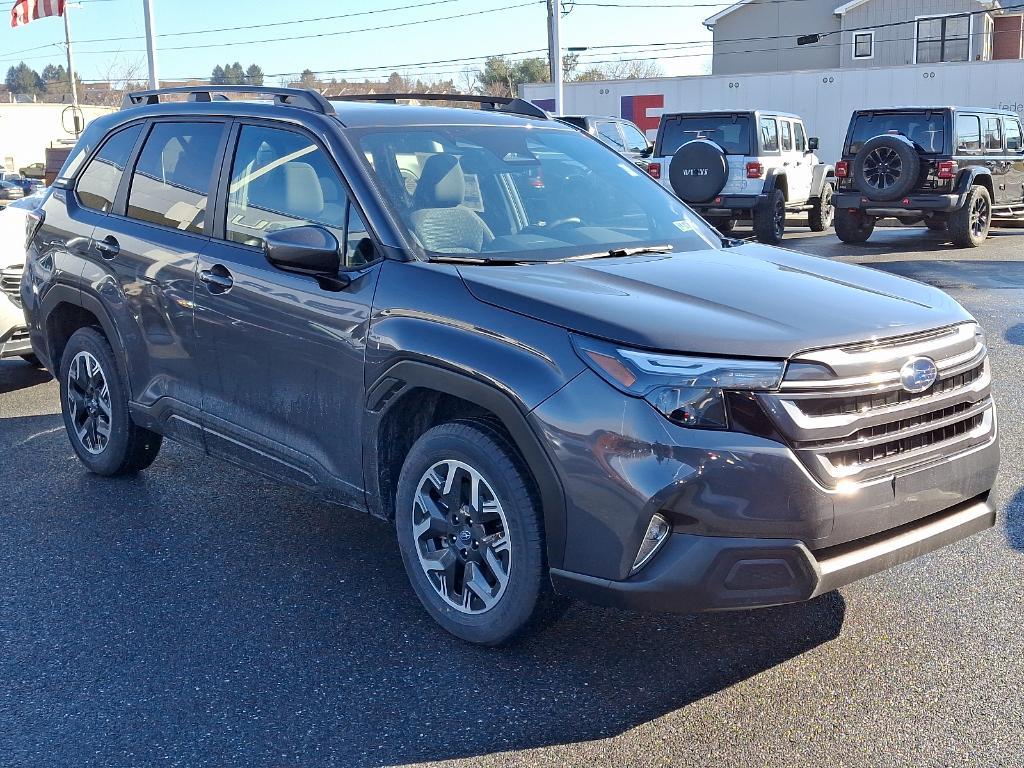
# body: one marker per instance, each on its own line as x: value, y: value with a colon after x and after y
x: 556, y: 54
x: 154, y: 81
x: 71, y: 72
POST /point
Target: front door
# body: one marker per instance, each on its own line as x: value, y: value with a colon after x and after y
x: 1015, y: 153
x: 283, y: 357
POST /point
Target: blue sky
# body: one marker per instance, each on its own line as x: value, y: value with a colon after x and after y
x: 341, y: 46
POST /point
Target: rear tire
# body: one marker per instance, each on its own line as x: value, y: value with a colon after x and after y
x: 854, y: 226
x: 770, y: 219
x: 94, y: 403
x: 822, y: 211
x: 477, y: 566
x: 970, y: 223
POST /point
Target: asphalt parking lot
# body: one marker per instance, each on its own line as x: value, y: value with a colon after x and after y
x: 199, y: 616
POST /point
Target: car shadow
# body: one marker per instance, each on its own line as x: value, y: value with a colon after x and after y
x: 17, y: 374
x: 197, y: 613
x: 1014, y: 517
x: 1015, y: 334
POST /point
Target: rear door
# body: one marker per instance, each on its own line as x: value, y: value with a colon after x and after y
x: 282, y: 358
x: 1015, y: 153
x: 148, y: 249
x: 797, y: 168
x: 769, y: 142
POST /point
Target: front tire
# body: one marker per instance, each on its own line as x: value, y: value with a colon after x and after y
x: 970, y: 223
x: 854, y: 226
x: 470, y: 533
x: 94, y: 403
x: 770, y: 219
x: 822, y: 211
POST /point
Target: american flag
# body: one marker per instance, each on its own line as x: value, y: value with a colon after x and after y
x: 25, y: 11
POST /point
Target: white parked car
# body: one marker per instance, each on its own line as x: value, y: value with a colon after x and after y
x: 14, y: 340
x: 755, y: 165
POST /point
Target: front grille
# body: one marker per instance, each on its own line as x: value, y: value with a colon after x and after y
x: 10, y: 283
x: 862, y: 456
x: 862, y: 424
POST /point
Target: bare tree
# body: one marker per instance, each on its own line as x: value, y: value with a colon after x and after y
x: 120, y: 76
x: 636, y: 69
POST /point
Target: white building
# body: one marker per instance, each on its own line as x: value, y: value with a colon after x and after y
x: 26, y: 130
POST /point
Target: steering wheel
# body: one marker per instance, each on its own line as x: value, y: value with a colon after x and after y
x: 565, y: 222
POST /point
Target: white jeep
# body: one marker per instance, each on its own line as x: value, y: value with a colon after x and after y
x: 744, y: 165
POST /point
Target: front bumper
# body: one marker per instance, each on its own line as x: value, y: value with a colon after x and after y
x: 708, y: 573
x: 925, y: 203
x: 14, y: 338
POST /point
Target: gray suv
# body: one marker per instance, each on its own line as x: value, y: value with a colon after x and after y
x: 485, y: 326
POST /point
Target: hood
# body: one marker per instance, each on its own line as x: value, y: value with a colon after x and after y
x: 751, y: 300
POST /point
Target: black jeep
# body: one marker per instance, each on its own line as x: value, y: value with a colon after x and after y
x: 952, y: 168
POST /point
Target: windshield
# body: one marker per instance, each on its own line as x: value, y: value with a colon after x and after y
x: 925, y: 129
x: 730, y: 132
x: 523, y: 193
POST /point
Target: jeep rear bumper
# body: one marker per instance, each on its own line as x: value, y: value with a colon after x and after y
x: 909, y: 205
x: 728, y: 205
x: 709, y: 573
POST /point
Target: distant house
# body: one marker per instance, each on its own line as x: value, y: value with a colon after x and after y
x: 754, y: 36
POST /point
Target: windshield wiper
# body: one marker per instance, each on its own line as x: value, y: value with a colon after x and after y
x: 614, y: 253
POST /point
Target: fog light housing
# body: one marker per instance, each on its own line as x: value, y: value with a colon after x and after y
x: 654, y: 538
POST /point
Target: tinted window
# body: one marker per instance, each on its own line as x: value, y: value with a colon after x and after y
x: 769, y: 135
x: 281, y: 179
x: 787, y: 136
x: 1013, y: 137
x: 924, y: 129
x: 993, y: 133
x: 172, y: 177
x: 98, y: 183
x: 610, y: 135
x: 635, y: 140
x: 968, y: 133
x: 731, y: 133
x: 801, y: 138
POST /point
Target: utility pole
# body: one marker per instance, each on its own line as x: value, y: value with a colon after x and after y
x: 154, y: 81
x: 75, y: 111
x: 555, y: 51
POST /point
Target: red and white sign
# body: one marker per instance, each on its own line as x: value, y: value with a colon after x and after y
x: 25, y: 11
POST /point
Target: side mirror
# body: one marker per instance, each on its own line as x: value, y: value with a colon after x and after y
x: 812, y: 144
x: 647, y: 152
x: 307, y: 250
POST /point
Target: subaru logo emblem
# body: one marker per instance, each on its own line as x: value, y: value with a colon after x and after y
x: 918, y: 374
x: 465, y: 537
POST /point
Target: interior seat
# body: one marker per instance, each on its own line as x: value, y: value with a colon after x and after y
x: 438, y: 218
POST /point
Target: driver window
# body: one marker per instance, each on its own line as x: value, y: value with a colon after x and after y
x: 281, y: 179
x: 610, y: 134
x: 800, y: 137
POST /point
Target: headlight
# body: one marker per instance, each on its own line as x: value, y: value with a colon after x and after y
x: 687, y: 389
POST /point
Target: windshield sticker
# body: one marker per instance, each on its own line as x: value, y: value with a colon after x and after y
x: 472, y: 198
x: 683, y: 226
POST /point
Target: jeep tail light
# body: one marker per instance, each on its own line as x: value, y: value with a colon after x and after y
x: 842, y: 169
x: 755, y: 170
x: 947, y: 169
x: 654, y: 170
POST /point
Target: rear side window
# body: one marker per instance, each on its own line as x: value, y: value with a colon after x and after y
x: 281, y: 179
x: 993, y: 133
x: 968, y: 133
x: 1013, y: 137
x: 172, y: 177
x: 769, y: 135
x: 99, y: 181
x: 787, y: 136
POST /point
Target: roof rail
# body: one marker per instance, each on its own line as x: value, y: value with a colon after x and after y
x: 508, y: 104
x: 291, y: 97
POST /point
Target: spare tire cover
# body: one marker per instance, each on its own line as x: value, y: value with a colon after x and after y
x: 887, y: 167
x: 698, y: 171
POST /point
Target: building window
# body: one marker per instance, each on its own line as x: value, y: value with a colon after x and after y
x: 864, y: 45
x: 946, y: 38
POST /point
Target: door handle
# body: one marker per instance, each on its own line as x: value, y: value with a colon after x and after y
x: 108, y: 247
x: 217, y: 279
